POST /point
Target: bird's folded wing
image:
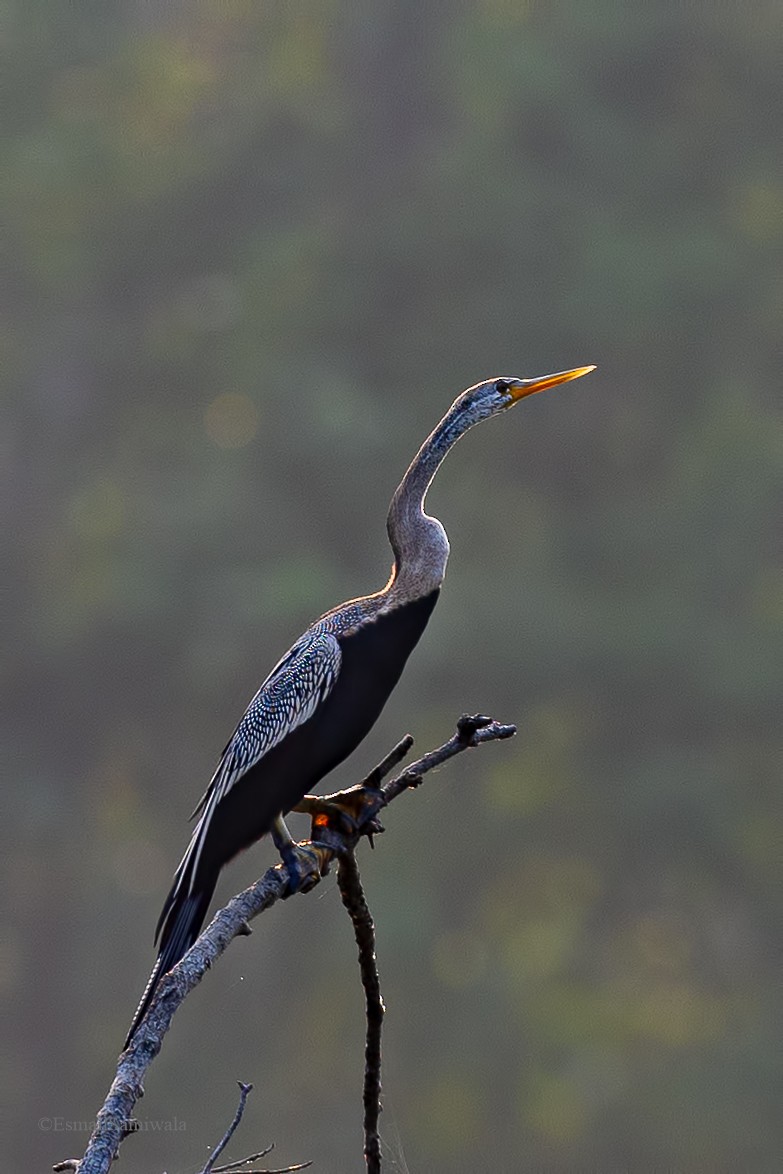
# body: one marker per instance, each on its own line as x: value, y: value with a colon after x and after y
x: 288, y: 697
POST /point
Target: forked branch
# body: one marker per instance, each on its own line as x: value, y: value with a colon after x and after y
x: 361, y: 804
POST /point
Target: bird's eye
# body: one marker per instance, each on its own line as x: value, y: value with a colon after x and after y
x: 502, y: 386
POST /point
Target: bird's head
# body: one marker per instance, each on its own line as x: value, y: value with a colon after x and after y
x: 496, y: 395
x: 406, y: 513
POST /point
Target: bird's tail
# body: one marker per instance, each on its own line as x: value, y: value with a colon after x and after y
x: 179, y: 926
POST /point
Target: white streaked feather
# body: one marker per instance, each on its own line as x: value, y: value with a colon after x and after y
x: 290, y: 695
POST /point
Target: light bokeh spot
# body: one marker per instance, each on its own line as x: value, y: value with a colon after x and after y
x: 231, y: 420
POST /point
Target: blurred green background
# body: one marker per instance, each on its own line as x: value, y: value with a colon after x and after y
x: 253, y: 253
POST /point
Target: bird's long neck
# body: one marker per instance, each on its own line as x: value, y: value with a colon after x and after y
x: 419, y: 542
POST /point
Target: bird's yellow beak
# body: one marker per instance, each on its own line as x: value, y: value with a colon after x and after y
x: 522, y: 387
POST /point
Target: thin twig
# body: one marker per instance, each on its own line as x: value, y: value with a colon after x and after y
x: 279, y: 1170
x: 244, y: 1092
x: 236, y: 1167
x: 355, y: 902
x: 244, y: 1161
x: 211, y: 1168
x: 471, y: 731
x: 231, y: 921
x: 387, y: 764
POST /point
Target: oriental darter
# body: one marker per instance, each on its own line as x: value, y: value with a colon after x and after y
x: 326, y: 693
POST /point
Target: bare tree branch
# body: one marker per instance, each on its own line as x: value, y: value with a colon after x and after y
x: 355, y: 902
x: 360, y: 806
x: 236, y: 1167
x: 229, y: 1166
x: 244, y: 1092
x: 471, y: 731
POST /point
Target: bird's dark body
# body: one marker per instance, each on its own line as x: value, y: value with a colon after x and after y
x: 373, y: 657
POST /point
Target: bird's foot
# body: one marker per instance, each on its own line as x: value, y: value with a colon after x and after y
x: 305, y: 864
x: 345, y: 813
x: 329, y: 813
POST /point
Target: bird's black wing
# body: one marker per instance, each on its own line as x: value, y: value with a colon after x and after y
x: 298, y: 683
x: 292, y: 692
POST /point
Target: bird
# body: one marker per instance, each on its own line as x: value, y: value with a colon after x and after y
x: 325, y: 694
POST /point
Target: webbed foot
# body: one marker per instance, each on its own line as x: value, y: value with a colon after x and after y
x: 305, y: 865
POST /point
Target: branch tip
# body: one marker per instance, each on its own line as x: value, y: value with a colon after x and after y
x: 244, y: 1091
x: 469, y: 724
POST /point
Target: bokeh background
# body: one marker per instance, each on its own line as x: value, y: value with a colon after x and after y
x: 254, y: 251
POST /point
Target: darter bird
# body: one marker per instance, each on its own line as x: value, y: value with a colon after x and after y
x: 326, y: 693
